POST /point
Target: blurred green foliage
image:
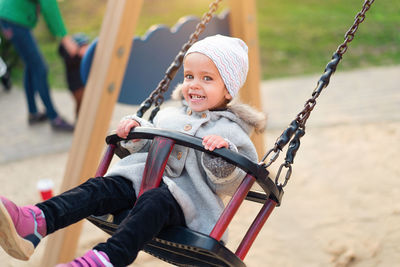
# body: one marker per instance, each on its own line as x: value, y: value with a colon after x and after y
x: 296, y: 37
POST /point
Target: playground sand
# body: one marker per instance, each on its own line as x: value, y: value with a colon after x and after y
x: 341, y: 206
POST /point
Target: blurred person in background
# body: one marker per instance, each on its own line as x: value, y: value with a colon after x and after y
x: 72, y: 68
x: 17, y: 19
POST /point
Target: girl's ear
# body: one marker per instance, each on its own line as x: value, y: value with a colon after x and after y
x: 227, y: 95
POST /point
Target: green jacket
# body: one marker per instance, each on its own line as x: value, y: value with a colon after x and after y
x: 25, y: 13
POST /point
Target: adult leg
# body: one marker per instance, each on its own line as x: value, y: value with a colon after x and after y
x: 34, y: 116
x: 154, y: 210
x: 35, y: 68
x: 29, y: 91
x: 12, y: 34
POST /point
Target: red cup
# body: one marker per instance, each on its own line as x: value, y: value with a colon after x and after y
x: 45, y: 187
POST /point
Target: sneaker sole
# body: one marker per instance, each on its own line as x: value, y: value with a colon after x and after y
x: 10, y: 241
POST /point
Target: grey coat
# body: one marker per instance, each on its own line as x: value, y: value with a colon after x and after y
x: 192, y: 177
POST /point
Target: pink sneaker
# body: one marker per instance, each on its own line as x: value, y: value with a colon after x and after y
x: 92, y: 258
x: 21, y: 228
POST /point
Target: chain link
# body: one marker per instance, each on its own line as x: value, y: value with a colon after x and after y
x: 272, y: 159
x: 157, y: 96
x: 306, y: 112
x: 287, y: 176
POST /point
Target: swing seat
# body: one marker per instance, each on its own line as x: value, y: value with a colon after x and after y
x: 179, y: 245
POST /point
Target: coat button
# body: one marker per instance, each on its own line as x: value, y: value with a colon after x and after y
x: 179, y: 156
x: 187, y: 127
x: 203, y: 115
x: 189, y: 112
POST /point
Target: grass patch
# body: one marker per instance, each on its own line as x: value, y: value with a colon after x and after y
x: 296, y: 37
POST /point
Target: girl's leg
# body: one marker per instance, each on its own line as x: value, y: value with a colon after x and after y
x: 22, y: 228
x: 154, y: 210
x: 97, y: 196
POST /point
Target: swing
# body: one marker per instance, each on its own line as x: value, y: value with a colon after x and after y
x: 182, y: 246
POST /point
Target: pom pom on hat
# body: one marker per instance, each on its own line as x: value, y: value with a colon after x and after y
x: 229, y: 55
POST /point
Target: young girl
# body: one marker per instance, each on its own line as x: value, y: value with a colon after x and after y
x: 193, y: 185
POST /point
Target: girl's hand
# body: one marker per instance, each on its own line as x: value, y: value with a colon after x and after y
x: 211, y: 142
x: 125, y: 126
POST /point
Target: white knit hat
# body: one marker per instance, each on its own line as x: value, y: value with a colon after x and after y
x: 229, y: 55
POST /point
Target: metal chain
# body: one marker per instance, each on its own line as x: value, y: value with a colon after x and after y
x: 349, y: 36
x: 297, y: 127
x: 157, y: 96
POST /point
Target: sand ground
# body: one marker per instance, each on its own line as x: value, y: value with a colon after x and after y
x: 340, y: 208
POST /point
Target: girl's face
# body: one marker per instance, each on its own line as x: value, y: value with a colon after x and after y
x: 203, y: 87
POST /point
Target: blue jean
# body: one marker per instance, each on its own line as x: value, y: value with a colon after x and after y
x: 154, y: 210
x: 35, y: 76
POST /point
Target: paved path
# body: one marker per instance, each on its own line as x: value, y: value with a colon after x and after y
x: 18, y: 140
x: 358, y: 96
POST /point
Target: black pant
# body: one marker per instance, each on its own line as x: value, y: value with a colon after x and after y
x: 154, y: 210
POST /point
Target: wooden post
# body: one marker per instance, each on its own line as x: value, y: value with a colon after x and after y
x: 101, y: 94
x: 243, y: 24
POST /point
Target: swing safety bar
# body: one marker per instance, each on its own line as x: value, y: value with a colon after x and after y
x: 179, y: 245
